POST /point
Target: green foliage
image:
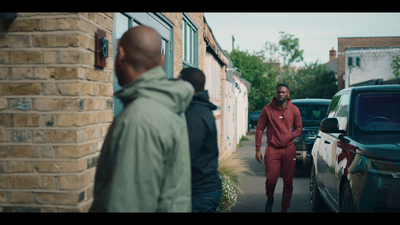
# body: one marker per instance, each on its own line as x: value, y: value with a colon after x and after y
x: 270, y: 49
x: 244, y: 138
x: 396, y: 66
x: 290, y: 48
x: 313, y: 81
x: 258, y: 73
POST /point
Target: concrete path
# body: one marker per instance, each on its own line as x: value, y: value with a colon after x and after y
x: 253, y: 197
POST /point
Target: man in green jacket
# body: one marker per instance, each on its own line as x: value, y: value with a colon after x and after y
x: 144, y: 164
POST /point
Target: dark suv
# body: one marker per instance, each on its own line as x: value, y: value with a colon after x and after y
x: 312, y: 112
x: 356, y: 156
x: 253, y: 118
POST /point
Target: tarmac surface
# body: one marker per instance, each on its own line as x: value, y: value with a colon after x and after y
x: 253, y: 198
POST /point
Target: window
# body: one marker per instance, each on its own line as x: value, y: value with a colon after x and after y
x: 190, y: 42
x: 121, y: 24
x: 124, y: 21
x: 312, y: 113
x: 339, y: 108
x: 378, y: 111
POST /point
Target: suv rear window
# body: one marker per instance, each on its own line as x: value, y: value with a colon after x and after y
x: 378, y: 111
x: 312, y: 112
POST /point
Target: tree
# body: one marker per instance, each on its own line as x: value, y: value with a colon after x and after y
x: 290, y: 48
x: 258, y: 73
x: 270, y: 49
x: 312, y: 81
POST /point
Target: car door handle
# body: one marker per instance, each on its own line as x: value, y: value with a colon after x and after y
x: 326, y: 142
x: 317, y: 136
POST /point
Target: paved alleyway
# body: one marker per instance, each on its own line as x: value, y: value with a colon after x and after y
x: 253, y: 197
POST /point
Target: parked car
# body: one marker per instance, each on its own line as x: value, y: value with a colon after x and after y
x: 356, y: 156
x: 253, y: 118
x: 312, y: 112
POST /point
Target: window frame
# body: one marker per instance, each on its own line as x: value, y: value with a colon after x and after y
x: 193, y: 53
x: 357, y: 129
x: 166, y: 30
x: 337, y: 106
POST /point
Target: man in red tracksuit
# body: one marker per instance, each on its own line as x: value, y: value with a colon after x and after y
x: 279, y: 117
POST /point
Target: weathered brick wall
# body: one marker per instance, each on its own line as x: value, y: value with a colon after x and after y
x: 359, y: 42
x: 55, y: 109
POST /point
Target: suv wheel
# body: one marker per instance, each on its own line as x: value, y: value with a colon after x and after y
x: 315, y: 197
x: 346, y: 199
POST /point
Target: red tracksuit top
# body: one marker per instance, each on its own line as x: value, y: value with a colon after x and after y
x: 279, y: 123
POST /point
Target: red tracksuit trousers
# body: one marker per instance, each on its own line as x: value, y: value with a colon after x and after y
x: 274, y: 160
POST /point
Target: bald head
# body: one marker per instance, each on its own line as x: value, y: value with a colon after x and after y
x: 140, y: 49
x: 142, y: 46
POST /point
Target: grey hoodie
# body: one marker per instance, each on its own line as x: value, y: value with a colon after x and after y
x: 144, y: 165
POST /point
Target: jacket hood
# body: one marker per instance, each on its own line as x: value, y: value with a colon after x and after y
x: 273, y: 103
x: 203, y: 98
x: 175, y: 94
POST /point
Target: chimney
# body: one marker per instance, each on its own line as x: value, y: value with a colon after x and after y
x: 332, y: 54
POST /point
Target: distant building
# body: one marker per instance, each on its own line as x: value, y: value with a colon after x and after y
x: 333, y: 62
x: 365, y: 58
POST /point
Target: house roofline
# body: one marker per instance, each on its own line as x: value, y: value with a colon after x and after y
x: 374, y: 37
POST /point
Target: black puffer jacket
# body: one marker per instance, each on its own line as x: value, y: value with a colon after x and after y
x: 203, y: 144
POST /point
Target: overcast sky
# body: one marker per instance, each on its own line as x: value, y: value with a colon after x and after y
x: 317, y: 32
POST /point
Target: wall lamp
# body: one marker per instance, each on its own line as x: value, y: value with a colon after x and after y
x: 235, y: 69
x: 101, y: 48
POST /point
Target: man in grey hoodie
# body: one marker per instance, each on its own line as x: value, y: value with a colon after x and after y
x: 144, y: 164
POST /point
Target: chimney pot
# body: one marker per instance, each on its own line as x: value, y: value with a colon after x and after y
x: 332, y: 54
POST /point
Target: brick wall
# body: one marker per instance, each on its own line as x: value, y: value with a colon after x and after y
x: 359, y: 42
x: 55, y: 109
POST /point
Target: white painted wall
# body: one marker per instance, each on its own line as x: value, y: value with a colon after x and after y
x: 241, y: 95
x: 212, y: 71
x: 374, y: 64
x: 230, y: 105
x: 235, y: 112
x: 213, y: 77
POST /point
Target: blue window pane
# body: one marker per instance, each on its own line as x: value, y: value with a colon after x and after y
x: 122, y: 25
x: 378, y: 111
x: 183, y: 39
x: 187, y: 40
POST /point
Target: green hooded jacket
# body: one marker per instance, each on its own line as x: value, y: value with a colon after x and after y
x: 144, y: 164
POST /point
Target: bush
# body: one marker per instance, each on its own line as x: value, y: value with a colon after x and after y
x: 229, y: 196
x: 231, y: 167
